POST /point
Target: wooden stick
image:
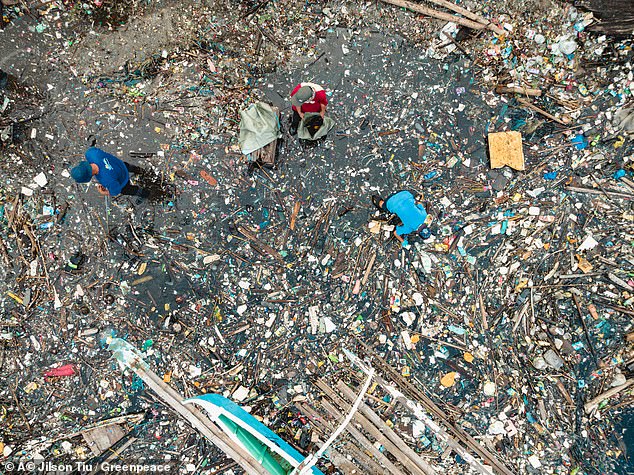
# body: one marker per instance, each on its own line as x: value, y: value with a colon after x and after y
x: 526, y: 91
x: 592, y: 191
x: 20, y: 410
x: 294, y: 215
x: 114, y: 454
x: 594, y: 403
x: 562, y: 390
x: 368, y: 269
x: 583, y: 324
x: 269, y: 250
x: 460, y: 47
x: 445, y: 16
x: 530, y: 105
x: 628, y: 182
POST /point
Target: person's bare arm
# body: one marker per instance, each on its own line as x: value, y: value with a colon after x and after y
x: 322, y: 112
x: 400, y: 239
x: 103, y: 190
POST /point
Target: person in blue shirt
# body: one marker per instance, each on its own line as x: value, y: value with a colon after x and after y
x: 413, y: 216
x: 112, y: 174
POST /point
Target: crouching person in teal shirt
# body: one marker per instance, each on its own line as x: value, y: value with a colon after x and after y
x: 413, y: 216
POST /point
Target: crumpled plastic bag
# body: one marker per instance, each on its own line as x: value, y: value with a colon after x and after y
x: 303, y: 133
x: 259, y: 126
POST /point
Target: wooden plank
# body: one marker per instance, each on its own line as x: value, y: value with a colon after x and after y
x: 101, y: 439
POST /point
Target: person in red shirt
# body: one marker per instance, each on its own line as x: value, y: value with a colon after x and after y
x: 307, y: 97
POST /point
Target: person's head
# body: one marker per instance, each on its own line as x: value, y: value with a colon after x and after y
x: 83, y: 172
x: 303, y: 94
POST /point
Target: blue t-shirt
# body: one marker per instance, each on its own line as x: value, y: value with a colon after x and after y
x: 113, y: 174
x: 412, y: 214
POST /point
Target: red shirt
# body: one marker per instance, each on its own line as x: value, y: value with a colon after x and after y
x: 318, y: 100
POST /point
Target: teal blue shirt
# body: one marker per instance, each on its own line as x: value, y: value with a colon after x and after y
x: 113, y: 174
x: 412, y: 214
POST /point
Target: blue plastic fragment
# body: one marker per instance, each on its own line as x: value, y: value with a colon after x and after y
x: 457, y: 330
x: 579, y: 141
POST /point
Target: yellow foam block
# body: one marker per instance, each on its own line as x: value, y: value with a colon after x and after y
x: 505, y: 148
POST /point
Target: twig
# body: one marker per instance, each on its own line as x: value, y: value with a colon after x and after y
x: 583, y: 323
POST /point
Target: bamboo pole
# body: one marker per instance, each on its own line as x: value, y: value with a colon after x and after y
x: 476, y: 22
x: 368, y: 269
x: 469, y: 14
x: 311, y: 460
x: 192, y: 415
x: 594, y: 403
x: 338, y: 459
x: 433, y: 409
x: 390, y: 468
x: 389, y: 433
x: 407, y: 460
